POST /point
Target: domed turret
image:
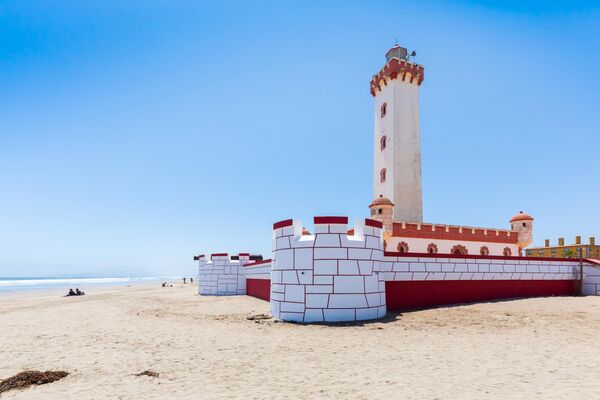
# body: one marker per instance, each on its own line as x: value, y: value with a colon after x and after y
x: 522, y: 224
x: 382, y: 210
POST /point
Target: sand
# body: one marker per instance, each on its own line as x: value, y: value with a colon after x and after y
x: 205, y: 348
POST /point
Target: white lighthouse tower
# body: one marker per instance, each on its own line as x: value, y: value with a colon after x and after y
x: 397, y: 160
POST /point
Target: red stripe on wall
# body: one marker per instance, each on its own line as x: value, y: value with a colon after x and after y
x: 405, y: 295
x: 259, y: 288
x: 330, y: 220
x: 283, y: 224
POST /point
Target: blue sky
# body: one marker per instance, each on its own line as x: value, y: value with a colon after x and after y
x: 136, y: 134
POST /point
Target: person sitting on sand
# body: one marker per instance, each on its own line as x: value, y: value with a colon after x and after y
x: 71, y: 293
x: 164, y: 284
x: 79, y: 292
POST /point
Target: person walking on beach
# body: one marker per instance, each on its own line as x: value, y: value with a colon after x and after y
x: 191, y: 280
x: 184, y: 281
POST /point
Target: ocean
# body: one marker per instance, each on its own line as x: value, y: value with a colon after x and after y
x: 8, y: 285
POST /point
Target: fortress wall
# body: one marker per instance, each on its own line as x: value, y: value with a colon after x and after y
x: 423, y: 280
x: 591, y: 279
x: 258, y: 279
x: 222, y: 276
x: 328, y: 276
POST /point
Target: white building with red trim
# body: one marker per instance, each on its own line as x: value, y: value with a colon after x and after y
x: 393, y: 260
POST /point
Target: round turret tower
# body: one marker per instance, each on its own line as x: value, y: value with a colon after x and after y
x: 522, y: 224
x: 382, y: 210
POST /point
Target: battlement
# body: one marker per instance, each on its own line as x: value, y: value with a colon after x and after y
x: 329, y: 275
x: 222, y: 274
x: 453, y: 232
x: 397, y: 69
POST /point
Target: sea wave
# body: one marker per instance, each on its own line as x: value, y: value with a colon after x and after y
x: 15, y: 282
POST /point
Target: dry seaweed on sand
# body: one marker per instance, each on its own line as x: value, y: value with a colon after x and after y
x: 27, y: 378
x: 258, y: 317
x: 148, y: 372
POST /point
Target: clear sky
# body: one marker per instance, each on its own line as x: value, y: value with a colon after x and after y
x: 135, y: 134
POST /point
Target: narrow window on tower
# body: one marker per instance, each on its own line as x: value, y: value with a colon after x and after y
x: 383, y: 109
x: 382, y: 175
x: 383, y: 142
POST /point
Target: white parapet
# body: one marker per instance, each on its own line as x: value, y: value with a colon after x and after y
x: 329, y: 276
x: 221, y: 275
x: 591, y: 278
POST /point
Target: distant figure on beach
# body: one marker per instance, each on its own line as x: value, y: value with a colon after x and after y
x: 79, y: 292
x: 71, y: 293
x: 164, y: 284
x: 191, y: 280
x: 184, y: 281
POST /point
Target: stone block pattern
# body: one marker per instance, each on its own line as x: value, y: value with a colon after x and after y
x: 222, y: 276
x: 258, y: 270
x: 328, y: 276
x: 403, y: 268
x: 591, y: 280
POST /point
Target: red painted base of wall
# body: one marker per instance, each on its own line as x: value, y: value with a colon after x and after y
x: 259, y: 288
x: 404, y: 295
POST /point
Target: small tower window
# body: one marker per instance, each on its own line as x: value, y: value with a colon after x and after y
x: 383, y: 142
x: 524, y: 224
x: 459, y: 250
x: 382, y: 175
x: 380, y: 211
x: 432, y: 248
x: 402, y: 247
x: 484, y: 251
x: 383, y: 110
x: 506, y: 252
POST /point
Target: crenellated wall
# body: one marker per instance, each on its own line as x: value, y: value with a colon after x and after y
x: 221, y: 275
x: 327, y: 276
x: 591, y: 279
x: 341, y: 274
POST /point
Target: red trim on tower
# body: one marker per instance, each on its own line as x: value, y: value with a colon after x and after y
x: 395, y: 67
x: 244, y: 254
x: 331, y: 220
x: 257, y: 263
x: 427, y: 231
x: 283, y: 224
x: 373, y: 223
x: 219, y: 255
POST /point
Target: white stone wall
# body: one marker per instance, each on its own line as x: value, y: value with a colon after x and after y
x: 418, y: 245
x: 475, y: 268
x: 328, y: 276
x: 591, y: 280
x: 258, y: 270
x: 222, y: 276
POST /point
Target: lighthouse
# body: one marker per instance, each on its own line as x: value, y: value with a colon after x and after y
x: 397, y: 157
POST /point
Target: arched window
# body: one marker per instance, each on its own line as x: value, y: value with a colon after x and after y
x: 402, y: 247
x: 382, y: 174
x: 506, y: 252
x: 432, y: 248
x: 484, y: 251
x: 383, y: 142
x: 459, y: 250
x: 383, y: 110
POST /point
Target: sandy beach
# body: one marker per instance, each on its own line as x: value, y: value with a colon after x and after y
x: 205, y: 347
